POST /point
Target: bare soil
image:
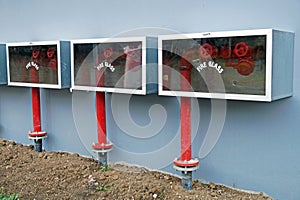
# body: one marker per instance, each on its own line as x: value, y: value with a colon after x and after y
x: 60, y: 175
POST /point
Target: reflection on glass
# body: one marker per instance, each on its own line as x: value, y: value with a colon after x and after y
x: 240, y: 61
x: 33, y: 64
x: 114, y: 65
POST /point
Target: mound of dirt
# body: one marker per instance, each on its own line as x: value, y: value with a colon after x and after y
x: 60, y: 175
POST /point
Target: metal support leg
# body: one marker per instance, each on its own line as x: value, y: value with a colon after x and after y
x: 38, y: 145
x: 102, y: 159
x: 186, y: 180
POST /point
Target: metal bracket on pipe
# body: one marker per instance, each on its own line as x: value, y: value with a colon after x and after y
x: 102, y: 148
x: 186, y: 165
x: 37, y: 135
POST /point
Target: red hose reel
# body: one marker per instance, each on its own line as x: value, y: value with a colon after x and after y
x: 244, y: 53
x: 45, y: 58
x: 50, y: 53
x: 241, y: 49
x: 207, y: 50
x: 53, y: 61
x: 108, y: 51
x: 245, y: 65
x: 35, y: 53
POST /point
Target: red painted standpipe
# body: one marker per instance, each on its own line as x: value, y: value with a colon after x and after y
x: 36, y: 111
x: 37, y: 135
x: 35, y: 99
x: 186, y: 164
x: 185, y: 119
x: 101, y: 118
x: 102, y: 147
x: 185, y: 111
x: 100, y: 109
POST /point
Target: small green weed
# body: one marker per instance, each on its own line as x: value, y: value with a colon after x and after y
x: 9, y: 196
x: 162, y: 194
x: 104, y: 168
x: 103, y: 187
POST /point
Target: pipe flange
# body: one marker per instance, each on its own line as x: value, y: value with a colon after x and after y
x: 102, y: 148
x: 186, y: 165
x: 37, y: 135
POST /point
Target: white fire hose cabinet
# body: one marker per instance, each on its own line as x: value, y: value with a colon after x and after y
x: 43, y: 64
x: 254, y: 65
x: 121, y: 65
x: 3, y: 73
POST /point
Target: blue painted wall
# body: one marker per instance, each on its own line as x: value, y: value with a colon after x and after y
x: 258, y: 148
